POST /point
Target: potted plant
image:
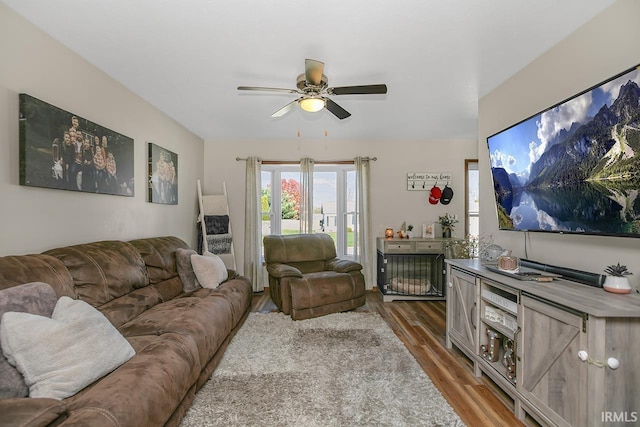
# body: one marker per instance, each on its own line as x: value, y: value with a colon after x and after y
x: 447, y: 221
x: 617, y: 281
x: 409, y: 231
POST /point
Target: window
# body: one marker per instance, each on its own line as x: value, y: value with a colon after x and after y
x: 472, y: 202
x: 280, y: 199
x: 334, y: 203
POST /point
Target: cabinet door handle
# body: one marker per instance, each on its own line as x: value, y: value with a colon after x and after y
x: 450, y: 284
x: 613, y: 363
x: 473, y: 315
x: 515, y: 343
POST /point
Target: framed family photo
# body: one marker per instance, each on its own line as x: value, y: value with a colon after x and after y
x: 163, y: 175
x: 428, y: 231
x: 62, y: 150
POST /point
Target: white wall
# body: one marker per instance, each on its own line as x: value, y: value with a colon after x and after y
x: 391, y: 203
x: 35, y: 219
x: 603, y: 47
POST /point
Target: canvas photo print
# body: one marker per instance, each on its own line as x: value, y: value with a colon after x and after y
x: 163, y: 175
x: 575, y: 167
x: 62, y: 150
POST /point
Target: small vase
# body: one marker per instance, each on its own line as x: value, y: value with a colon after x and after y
x: 617, y: 285
x: 446, y: 233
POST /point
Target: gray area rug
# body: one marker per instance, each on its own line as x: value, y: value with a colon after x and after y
x: 346, y: 369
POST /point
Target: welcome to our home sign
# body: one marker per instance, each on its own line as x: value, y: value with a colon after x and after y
x: 423, y: 181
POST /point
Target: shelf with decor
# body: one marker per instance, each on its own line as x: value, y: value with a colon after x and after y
x: 499, y: 327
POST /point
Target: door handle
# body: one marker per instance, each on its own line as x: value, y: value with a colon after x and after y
x: 473, y: 316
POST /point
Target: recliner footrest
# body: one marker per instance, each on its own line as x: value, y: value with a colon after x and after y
x: 335, y: 291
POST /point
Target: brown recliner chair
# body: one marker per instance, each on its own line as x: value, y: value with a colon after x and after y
x: 306, y: 279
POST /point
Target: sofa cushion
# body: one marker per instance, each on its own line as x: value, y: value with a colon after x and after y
x: 18, y: 269
x: 36, y: 412
x: 146, y: 390
x: 185, y: 269
x: 169, y: 289
x: 209, y: 269
x: 35, y: 298
x: 238, y: 292
x: 207, y: 320
x: 121, y: 310
x: 61, y: 355
x: 299, y: 248
x: 104, y: 270
x: 158, y: 254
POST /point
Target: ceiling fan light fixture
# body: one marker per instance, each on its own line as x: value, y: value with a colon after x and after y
x: 315, y: 94
x: 312, y: 105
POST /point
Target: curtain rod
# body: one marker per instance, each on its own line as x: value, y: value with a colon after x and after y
x: 317, y: 162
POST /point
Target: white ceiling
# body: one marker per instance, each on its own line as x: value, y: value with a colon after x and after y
x: 188, y: 57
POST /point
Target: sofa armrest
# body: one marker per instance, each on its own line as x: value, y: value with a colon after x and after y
x: 32, y: 412
x: 342, y: 265
x: 279, y: 271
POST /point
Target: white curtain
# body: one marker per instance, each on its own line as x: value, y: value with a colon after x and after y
x: 253, y: 224
x: 365, y: 251
x: 306, y: 195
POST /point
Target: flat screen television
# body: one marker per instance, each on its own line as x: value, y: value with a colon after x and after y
x: 574, y: 167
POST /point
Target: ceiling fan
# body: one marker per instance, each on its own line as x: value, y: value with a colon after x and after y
x: 313, y: 88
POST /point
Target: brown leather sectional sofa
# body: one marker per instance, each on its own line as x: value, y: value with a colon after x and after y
x: 179, y: 337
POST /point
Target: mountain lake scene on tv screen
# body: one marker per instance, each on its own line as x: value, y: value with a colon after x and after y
x: 575, y: 167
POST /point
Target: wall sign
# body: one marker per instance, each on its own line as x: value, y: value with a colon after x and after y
x: 423, y: 181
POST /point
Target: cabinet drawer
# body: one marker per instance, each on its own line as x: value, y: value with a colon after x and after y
x: 428, y: 247
x: 398, y: 247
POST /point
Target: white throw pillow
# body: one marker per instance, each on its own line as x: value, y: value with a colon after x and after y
x: 61, y: 355
x: 210, y: 269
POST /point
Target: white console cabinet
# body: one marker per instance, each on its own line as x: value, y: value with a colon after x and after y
x: 568, y: 354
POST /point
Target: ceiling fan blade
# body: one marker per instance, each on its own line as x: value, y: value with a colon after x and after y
x: 313, y: 71
x: 284, y: 110
x: 358, y: 90
x: 337, y: 110
x: 269, y: 89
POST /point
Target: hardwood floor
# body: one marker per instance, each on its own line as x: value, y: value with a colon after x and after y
x: 421, y: 326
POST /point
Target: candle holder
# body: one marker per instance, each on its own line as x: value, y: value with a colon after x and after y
x: 388, y: 233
